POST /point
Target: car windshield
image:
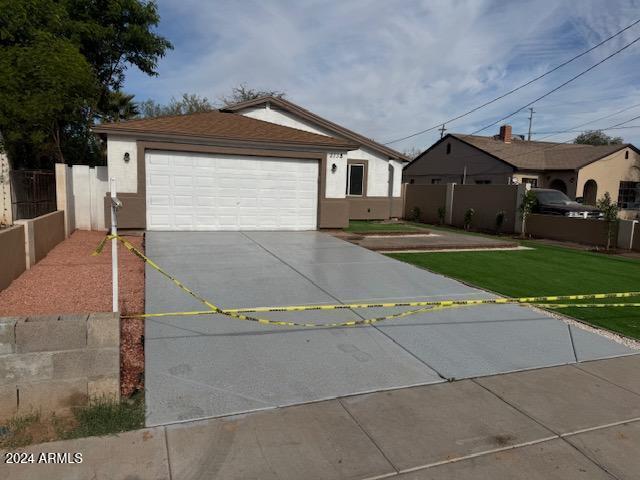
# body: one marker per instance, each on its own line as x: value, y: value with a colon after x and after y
x: 553, y: 197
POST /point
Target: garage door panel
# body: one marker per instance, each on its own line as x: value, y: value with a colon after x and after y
x: 191, y: 191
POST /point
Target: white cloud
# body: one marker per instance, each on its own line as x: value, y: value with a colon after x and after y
x: 388, y: 68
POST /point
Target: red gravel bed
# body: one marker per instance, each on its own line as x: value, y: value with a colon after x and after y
x: 70, y: 280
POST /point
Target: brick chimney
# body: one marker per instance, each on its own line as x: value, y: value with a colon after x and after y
x: 505, y: 133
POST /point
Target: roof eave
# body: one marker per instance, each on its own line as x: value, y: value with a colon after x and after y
x: 185, y: 138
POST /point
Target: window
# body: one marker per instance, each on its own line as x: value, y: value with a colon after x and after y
x: 435, y: 181
x: 448, y: 148
x: 355, y: 179
x: 531, y: 181
x: 626, y: 155
x: 483, y: 182
x: 629, y: 195
x: 412, y: 180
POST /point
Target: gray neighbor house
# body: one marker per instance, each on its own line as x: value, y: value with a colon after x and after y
x: 580, y: 171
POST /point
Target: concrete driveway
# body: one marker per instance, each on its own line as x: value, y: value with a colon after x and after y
x: 210, y: 366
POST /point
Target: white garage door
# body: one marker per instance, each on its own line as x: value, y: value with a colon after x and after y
x: 192, y: 191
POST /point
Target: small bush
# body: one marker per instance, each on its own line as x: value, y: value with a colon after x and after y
x: 414, y: 215
x: 442, y: 211
x: 468, y: 218
x: 500, y: 220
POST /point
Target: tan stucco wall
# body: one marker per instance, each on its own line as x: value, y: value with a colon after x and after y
x: 427, y: 198
x: 487, y: 201
x: 12, y: 255
x: 609, y: 172
x: 579, y: 230
x: 48, y: 231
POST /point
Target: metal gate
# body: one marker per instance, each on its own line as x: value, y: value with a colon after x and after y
x: 33, y: 193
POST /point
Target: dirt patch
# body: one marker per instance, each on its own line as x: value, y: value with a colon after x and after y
x: 131, y: 356
x: 35, y: 428
x: 70, y: 280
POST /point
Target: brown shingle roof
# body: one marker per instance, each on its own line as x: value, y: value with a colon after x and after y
x: 532, y: 155
x: 312, y: 117
x: 223, y: 126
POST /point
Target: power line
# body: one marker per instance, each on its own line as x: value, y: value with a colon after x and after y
x: 581, y: 131
x: 535, y: 79
x: 575, y: 77
x: 591, y: 121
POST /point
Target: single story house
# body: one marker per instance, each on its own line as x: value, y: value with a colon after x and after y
x: 265, y: 164
x: 580, y: 171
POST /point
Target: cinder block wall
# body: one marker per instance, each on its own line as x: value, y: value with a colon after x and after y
x: 12, y: 255
x: 54, y: 363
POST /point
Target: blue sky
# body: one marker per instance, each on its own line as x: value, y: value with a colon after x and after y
x: 388, y: 68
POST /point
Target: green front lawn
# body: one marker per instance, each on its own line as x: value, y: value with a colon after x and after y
x: 546, y: 270
x: 372, y: 226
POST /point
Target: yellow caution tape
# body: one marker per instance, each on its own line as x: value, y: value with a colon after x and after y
x: 424, y: 306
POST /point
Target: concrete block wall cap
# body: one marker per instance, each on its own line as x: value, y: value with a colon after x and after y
x: 103, y: 331
x: 42, y: 318
x: 42, y: 336
x: 74, y: 316
x: 104, y: 315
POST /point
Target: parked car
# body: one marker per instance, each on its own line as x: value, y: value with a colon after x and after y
x: 554, y: 202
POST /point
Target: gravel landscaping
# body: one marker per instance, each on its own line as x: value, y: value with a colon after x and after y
x: 70, y: 280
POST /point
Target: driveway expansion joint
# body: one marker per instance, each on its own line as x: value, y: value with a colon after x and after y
x: 577, y: 365
x: 558, y: 435
x: 369, y: 436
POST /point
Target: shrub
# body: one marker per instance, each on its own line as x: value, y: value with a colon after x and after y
x: 414, y: 215
x: 468, y: 218
x: 500, y: 220
x: 610, y: 210
x: 526, y: 207
x: 442, y: 211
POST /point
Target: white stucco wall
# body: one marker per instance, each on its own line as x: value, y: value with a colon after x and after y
x: 272, y: 115
x: 336, y: 184
x: 125, y: 173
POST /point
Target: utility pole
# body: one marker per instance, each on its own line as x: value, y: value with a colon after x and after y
x: 442, y: 130
x: 530, y: 122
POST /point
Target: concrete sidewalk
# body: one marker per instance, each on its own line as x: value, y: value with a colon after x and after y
x: 568, y: 422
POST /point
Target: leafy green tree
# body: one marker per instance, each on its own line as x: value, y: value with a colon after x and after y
x: 114, y: 35
x: 46, y: 84
x: 597, y: 137
x: 610, y: 210
x: 188, y: 103
x: 60, y: 63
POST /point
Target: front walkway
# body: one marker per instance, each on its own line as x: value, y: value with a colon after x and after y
x: 570, y: 422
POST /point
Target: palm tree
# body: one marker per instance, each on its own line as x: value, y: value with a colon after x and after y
x: 119, y: 106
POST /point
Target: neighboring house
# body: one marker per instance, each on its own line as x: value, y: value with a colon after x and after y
x: 266, y: 164
x: 580, y: 171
